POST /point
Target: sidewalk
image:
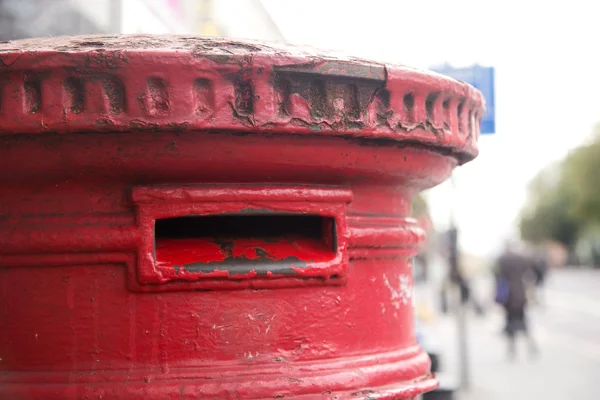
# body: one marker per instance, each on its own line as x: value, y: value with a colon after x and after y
x: 560, y: 372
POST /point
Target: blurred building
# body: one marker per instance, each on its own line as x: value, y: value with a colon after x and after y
x: 234, y: 18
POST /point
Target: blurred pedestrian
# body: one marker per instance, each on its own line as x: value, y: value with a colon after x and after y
x: 513, y: 276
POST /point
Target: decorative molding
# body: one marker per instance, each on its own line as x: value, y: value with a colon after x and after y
x: 174, y: 83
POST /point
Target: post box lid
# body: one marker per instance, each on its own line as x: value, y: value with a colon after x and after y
x: 126, y: 83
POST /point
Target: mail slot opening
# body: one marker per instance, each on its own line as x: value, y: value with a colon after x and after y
x: 241, y: 244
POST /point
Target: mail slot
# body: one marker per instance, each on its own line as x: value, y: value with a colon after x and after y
x: 274, y: 244
x: 194, y: 218
x: 241, y: 236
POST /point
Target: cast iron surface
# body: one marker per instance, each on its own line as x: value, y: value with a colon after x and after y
x: 101, y: 136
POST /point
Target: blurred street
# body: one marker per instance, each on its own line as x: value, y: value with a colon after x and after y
x: 531, y: 198
x: 567, y: 330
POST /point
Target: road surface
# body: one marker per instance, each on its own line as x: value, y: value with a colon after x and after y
x: 567, y: 330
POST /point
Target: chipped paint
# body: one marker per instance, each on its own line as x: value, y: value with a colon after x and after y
x: 401, y: 290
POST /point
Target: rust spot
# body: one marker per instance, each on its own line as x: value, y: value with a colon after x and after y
x: 158, y: 97
x: 244, y: 93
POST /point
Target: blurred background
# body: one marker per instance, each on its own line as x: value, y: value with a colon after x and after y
x: 535, y: 184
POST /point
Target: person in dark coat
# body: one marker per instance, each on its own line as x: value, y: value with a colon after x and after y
x: 514, y: 273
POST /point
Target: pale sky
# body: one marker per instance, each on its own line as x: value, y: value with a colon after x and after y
x: 547, y: 83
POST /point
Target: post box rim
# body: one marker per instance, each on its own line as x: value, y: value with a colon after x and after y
x: 123, y: 83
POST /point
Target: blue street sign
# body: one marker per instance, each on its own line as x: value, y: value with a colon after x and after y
x: 482, y: 78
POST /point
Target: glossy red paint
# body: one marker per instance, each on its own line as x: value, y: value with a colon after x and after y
x: 105, y: 136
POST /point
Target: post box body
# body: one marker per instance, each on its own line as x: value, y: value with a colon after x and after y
x: 188, y: 218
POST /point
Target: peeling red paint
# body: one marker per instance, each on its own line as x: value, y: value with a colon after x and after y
x: 184, y: 252
x: 107, y: 136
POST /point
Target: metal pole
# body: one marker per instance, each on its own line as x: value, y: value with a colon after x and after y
x: 458, y: 280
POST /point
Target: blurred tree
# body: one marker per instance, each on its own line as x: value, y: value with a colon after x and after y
x: 549, y: 218
x: 564, y: 198
x: 581, y: 177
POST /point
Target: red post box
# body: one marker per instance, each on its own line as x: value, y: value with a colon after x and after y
x: 186, y: 218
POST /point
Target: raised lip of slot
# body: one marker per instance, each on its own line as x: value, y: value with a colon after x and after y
x: 169, y: 201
